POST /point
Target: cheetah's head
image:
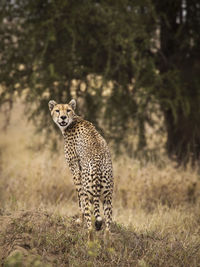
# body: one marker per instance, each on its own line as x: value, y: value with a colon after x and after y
x: 62, y: 114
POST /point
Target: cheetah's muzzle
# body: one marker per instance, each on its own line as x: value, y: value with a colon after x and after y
x: 62, y: 123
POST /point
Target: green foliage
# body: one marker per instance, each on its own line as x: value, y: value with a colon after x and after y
x: 14, y: 260
x: 57, y: 42
x: 59, y: 49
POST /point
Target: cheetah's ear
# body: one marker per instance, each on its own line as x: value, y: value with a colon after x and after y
x: 72, y: 103
x: 51, y: 104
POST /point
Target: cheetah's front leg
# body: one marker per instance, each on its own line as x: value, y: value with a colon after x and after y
x: 76, y: 172
x: 87, y: 215
x: 80, y: 200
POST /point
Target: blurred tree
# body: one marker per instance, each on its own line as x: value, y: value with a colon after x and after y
x: 116, y: 57
x: 178, y: 62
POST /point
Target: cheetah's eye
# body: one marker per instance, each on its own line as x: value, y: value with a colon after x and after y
x: 68, y: 110
x: 57, y: 110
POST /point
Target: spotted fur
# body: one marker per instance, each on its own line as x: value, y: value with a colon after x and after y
x: 89, y: 160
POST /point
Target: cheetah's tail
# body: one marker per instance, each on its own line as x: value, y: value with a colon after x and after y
x: 98, y: 223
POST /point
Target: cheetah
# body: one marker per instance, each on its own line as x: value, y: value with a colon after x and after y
x: 89, y: 161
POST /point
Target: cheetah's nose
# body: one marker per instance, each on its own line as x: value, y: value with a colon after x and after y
x: 63, y: 117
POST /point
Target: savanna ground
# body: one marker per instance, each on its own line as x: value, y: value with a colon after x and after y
x: 156, y: 208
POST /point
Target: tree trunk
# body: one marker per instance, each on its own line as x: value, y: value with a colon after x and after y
x: 183, y: 139
x: 179, y: 68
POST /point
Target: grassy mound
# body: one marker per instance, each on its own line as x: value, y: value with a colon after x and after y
x: 38, y: 238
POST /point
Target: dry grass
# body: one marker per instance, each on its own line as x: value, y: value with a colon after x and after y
x: 156, y: 209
